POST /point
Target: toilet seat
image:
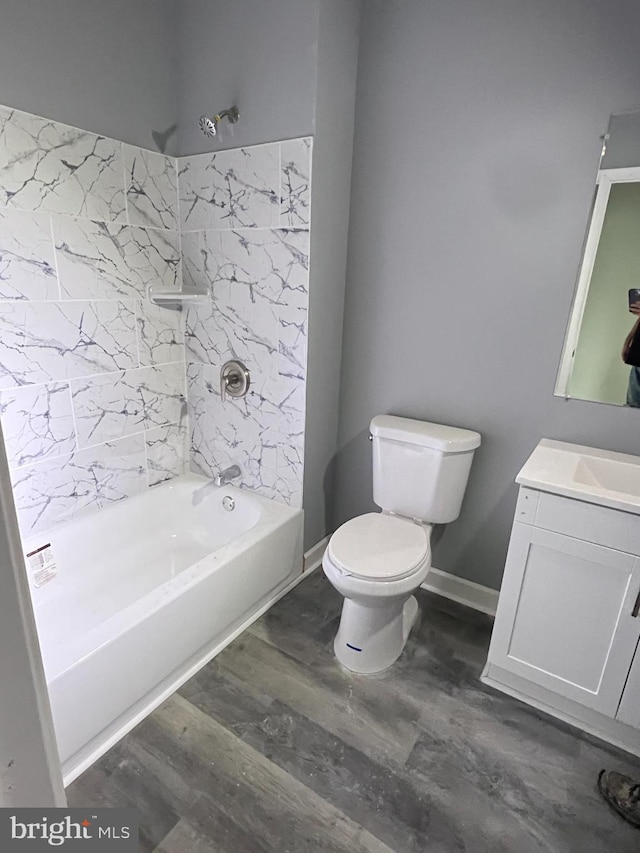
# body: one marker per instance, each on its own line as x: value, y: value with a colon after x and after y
x: 377, y: 546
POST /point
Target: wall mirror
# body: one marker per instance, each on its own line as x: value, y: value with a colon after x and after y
x: 601, y: 323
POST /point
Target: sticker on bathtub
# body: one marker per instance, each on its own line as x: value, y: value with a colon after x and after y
x: 42, y: 565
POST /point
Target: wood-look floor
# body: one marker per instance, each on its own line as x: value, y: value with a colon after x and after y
x: 274, y: 747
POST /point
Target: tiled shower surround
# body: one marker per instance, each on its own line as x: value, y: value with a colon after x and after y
x: 92, y: 374
x: 245, y: 220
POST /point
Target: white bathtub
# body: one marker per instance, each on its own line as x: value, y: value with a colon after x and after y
x: 145, y: 593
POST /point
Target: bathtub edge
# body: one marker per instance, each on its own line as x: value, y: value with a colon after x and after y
x: 70, y: 773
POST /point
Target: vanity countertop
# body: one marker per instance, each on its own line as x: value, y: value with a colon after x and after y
x: 585, y: 473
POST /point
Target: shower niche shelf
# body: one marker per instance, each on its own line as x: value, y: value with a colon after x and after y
x: 175, y: 297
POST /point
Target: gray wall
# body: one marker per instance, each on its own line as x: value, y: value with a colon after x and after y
x: 108, y: 67
x: 126, y: 69
x: 331, y: 181
x: 290, y: 65
x: 259, y: 55
x: 475, y: 155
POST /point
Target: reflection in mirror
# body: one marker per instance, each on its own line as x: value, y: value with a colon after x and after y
x: 604, y: 326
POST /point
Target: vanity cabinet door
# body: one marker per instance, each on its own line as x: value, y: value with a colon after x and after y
x: 629, y: 710
x: 564, y: 618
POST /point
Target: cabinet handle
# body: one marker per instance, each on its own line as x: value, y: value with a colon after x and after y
x: 636, y: 606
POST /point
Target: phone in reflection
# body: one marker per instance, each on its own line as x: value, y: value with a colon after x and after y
x: 634, y: 295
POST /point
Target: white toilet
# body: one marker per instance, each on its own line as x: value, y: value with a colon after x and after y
x: 377, y: 560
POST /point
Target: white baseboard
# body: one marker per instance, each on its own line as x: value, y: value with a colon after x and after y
x: 585, y: 719
x: 313, y: 557
x: 474, y: 595
x: 466, y: 592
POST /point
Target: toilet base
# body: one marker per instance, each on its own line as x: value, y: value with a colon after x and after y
x: 370, y: 639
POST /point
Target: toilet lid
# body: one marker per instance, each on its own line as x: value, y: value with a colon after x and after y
x: 377, y: 546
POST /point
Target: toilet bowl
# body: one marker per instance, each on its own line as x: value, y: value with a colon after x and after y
x: 378, y: 560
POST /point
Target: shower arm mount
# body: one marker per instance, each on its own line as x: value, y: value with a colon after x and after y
x: 232, y: 114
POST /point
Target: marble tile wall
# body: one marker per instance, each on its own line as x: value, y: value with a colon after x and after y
x: 94, y: 379
x: 244, y: 217
x: 92, y: 375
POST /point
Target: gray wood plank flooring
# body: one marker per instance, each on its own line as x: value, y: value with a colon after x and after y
x: 274, y: 747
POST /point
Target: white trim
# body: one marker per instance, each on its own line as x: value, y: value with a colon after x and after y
x: 585, y: 719
x: 28, y: 753
x: 313, y: 557
x: 151, y: 701
x: 604, y: 181
x: 629, y: 174
x: 464, y: 591
x: 473, y: 595
x: 582, y: 288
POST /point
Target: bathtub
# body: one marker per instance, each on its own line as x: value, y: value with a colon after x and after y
x: 136, y: 598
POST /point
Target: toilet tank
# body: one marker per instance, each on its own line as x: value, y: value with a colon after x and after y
x: 420, y: 469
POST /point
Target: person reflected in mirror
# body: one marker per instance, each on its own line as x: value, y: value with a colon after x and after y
x: 633, y: 388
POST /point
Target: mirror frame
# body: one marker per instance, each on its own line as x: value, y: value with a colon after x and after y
x: 604, y: 181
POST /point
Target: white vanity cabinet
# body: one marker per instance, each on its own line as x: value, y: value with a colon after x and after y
x: 629, y: 710
x: 567, y: 628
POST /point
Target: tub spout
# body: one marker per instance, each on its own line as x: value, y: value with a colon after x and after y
x: 229, y: 474
x: 221, y: 479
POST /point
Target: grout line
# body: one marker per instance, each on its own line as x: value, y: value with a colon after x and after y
x: 137, y: 332
x: 72, y: 453
x: 119, y: 223
x: 310, y: 164
x: 9, y: 209
x: 65, y: 301
x: 116, y: 223
x: 82, y: 449
x: 280, y: 187
x: 241, y: 147
x: 124, y: 184
x: 73, y: 415
x: 89, y: 376
x: 147, y: 227
x: 186, y: 423
x: 146, y: 460
x: 179, y: 229
x: 55, y: 261
x: 76, y: 216
x: 246, y: 228
x: 178, y: 209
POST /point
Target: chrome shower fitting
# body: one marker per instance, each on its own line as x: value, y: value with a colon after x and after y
x: 234, y: 379
x: 226, y: 476
x: 209, y: 126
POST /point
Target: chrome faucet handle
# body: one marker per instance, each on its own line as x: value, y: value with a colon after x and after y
x: 228, y: 384
x: 234, y: 379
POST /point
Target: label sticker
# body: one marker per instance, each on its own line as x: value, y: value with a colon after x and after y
x: 42, y: 565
